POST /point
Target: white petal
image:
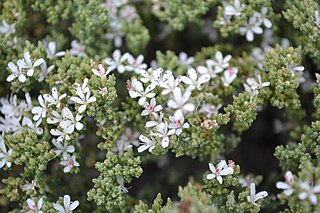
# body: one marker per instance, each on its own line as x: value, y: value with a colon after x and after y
x: 211, y: 176
x: 74, y: 205
x: 22, y: 78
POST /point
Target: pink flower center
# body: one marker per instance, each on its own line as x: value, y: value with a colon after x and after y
x: 150, y: 107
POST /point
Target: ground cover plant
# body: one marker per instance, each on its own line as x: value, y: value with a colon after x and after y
x: 159, y: 106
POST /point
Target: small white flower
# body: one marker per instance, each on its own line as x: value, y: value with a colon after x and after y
x: 33, y: 207
x: 253, y: 197
x: 33, y: 125
x: 27, y: 63
x: 40, y: 111
x: 136, y: 64
x: 156, y: 77
x: 7, y: 29
x: 177, y: 123
x: 68, y: 206
x: 184, y: 60
x: 129, y: 13
x: 16, y: 72
x: 103, y: 91
x: 179, y: 101
x: 220, y: 62
x: 262, y: 17
x: 169, y: 85
x: 126, y: 141
x: 62, y: 135
x: 30, y: 186
x: 51, y: 51
x: 234, y: 10
x: 54, y: 99
x: 253, y: 86
x: 210, y: 109
x: 117, y: 61
x: 69, y: 122
x: 69, y: 162
x: 101, y: 71
x: 121, y: 186
x: 193, y: 81
x: 317, y: 17
x: 150, y: 108
x: 162, y: 132
x: 136, y: 90
x: 77, y: 49
x: 251, y: 27
x: 286, y: 186
x: 84, y: 97
x: 44, y: 71
x: 55, y: 118
x: 221, y: 170
x: 309, y: 191
x: 62, y: 148
x: 158, y: 120
x: 115, y: 31
x: 4, y: 154
x: 296, y: 70
x: 229, y: 75
x: 146, y: 144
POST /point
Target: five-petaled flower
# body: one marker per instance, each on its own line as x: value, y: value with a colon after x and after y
x: 33, y: 207
x: 179, y: 101
x: 286, y: 186
x: 68, y: 206
x: 146, y: 144
x: 151, y: 107
x: 221, y: 170
x: 193, y: 80
x: 69, y: 162
x: 101, y: 71
x: 136, y: 90
x: 253, y: 197
x: 309, y: 190
x: 54, y: 99
x: 69, y: 122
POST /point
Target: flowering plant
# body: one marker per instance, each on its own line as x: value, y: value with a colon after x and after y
x: 111, y: 105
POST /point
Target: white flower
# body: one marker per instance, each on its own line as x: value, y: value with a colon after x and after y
x: 150, y: 108
x: 169, y: 85
x: 158, y: 120
x: 221, y: 170
x: 229, y: 75
x: 126, y: 141
x: 252, y: 86
x: 193, y: 81
x: 136, y: 64
x: 251, y: 27
x: 121, y: 186
x: 27, y: 63
x: 146, y: 144
x: 69, y: 122
x: 54, y: 99
x: 16, y: 71
x: 157, y: 77
x: 129, y: 13
x: 7, y: 29
x: 4, y: 154
x: 177, y: 123
x: 136, y: 90
x: 296, y: 69
x: 179, y: 101
x: 220, y: 62
x: 253, y: 197
x: 234, y: 10
x: 162, y: 132
x: 83, y: 99
x: 101, y: 72
x: 245, y: 182
x: 30, y: 186
x: 317, y: 17
x: 68, y: 163
x: 309, y: 191
x: 262, y: 17
x: 63, y: 149
x: 40, y: 111
x: 68, y: 206
x: 33, y: 125
x: 210, y: 109
x: 44, y: 71
x: 33, y: 207
x: 62, y: 135
x: 55, y: 118
x: 286, y: 186
x: 117, y: 61
x: 184, y: 60
x: 115, y: 31
x: 51, y: 51
x: 76, y: 48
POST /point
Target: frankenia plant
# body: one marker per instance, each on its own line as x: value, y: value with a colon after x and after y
x: 95, y: 118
